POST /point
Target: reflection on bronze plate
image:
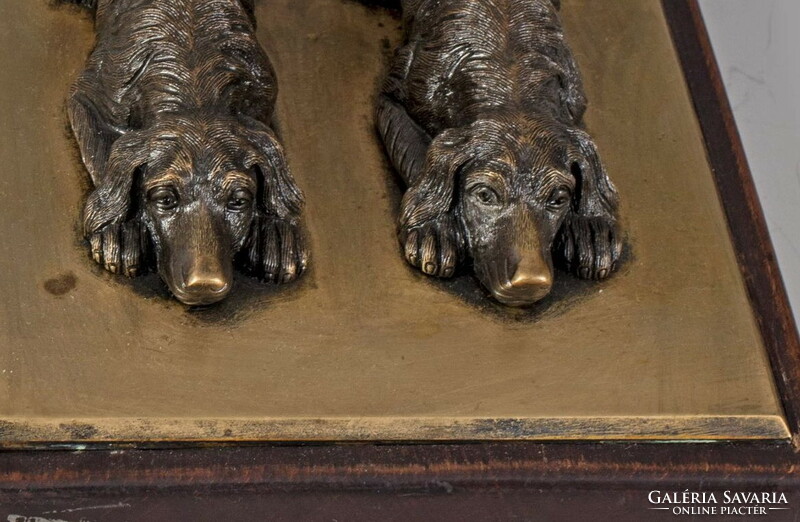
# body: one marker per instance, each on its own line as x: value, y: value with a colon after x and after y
x: 364, y: 347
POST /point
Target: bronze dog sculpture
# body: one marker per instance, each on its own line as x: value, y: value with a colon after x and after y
x: 481, y: 115
x: 172, y: 117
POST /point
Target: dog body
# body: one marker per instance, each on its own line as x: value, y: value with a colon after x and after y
x: 172, y: 116
x: 154, y: 58
x: 481, y: 115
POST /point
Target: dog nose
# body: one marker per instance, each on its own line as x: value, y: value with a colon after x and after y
x: 205, y: 283
x: 531, y: 281
x: 202, y: 283
x: 537, y: 285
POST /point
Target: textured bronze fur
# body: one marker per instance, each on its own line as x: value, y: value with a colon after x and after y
x: 172, y: 116
x: 482, y: 116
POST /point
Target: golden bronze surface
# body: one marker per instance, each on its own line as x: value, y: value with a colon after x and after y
x: 364, y: 347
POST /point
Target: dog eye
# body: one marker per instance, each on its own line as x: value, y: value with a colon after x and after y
x: 240, y: 200
x: 485, y: 195
x: 164, y: 198
x: 559, y: 198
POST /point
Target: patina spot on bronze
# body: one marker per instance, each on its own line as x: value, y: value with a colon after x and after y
x: 173, y: 119
x: 61, y: 284
x: 481, y: 115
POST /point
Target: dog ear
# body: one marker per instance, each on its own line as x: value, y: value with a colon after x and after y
x: 589, y: 242
x: 595, y: 195
x: 279, y: 195
x: 110, y: 202
x: 431, y: 195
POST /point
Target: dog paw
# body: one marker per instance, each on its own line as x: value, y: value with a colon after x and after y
x: 432, y: 247
x: 118, y: 248
x: 277, y: 251
x: 591, y: 247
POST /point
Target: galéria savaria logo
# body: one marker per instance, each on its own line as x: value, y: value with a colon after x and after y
x: 710, y: 503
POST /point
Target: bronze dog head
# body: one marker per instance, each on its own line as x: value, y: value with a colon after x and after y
x: 172, y: 117
x: 512, y: 193
x: 201, y: 188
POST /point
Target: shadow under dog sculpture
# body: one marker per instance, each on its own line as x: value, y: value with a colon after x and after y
x: 172, y: 116
x: 482, y: 116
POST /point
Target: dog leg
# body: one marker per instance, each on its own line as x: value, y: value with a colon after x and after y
x: 405, y: 141
x: 93, y: 134
x: 433, y: 247
x: 119, y: 248
x: 277, y: 251
x: 590, y: 247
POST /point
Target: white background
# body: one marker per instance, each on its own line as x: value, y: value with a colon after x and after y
x: 757, y: 44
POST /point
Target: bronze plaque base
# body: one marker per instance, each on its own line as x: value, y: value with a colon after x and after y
x: 365, y: 348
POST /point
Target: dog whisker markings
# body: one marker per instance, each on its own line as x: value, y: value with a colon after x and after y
x: 172, y: 118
